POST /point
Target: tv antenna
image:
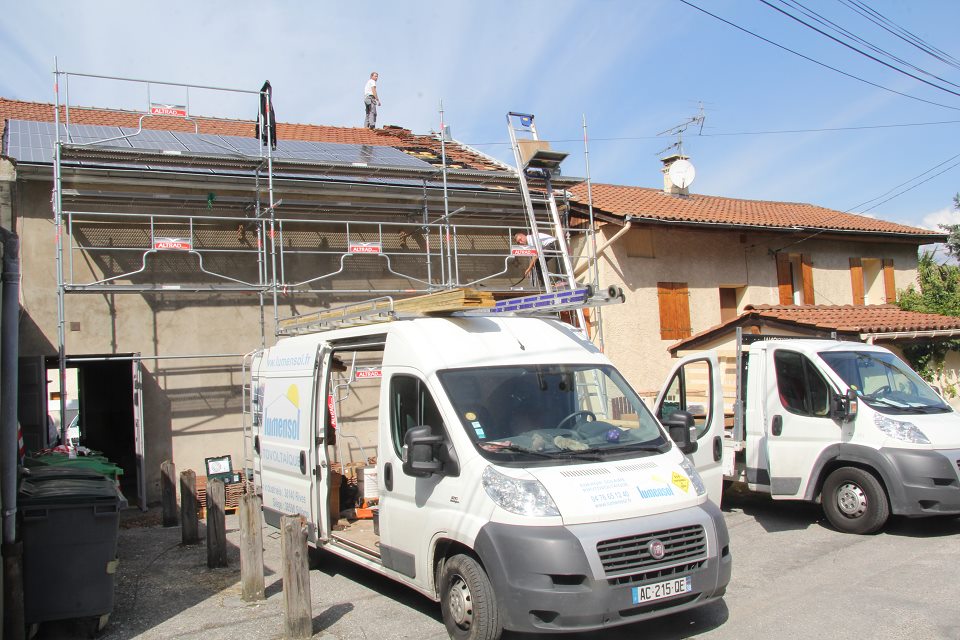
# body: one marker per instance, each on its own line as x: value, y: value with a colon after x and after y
x: 679, y: 129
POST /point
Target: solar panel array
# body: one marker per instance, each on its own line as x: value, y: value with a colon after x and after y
x: 29, y: 141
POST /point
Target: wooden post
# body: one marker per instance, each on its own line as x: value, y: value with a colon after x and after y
x: 298, y: 622
x: 216, y: 524
x: 168, y: 492
x: 189, y: 519
x: 251, y: 548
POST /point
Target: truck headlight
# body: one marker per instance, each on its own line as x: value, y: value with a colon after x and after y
x: 694, y: 476
x: 524, y: 497
x: 905, y: 431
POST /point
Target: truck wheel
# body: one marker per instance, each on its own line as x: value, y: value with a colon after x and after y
x: 467, y: 601
x: 854, y: 501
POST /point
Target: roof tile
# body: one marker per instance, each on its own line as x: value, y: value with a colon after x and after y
x: 654, y: 204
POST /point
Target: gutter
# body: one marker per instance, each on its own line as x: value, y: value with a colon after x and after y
x: 870, y: 338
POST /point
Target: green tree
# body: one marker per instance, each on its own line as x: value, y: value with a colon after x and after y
x: 953, y: 241
x: 939, y: 293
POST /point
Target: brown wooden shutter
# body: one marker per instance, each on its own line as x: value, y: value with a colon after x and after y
x: 681, y: 296
x: 784, y: 279
x: 889, y: 282
x: 856, y: 280
x: 673, y: 299
x: 806, y: 267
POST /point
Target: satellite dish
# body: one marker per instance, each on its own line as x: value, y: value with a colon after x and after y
x: 682, y: 173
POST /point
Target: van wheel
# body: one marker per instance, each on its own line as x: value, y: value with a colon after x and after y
x: 467, y: 601
x: 854, y: 501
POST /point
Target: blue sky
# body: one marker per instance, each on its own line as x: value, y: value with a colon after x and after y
x: 632, y: 69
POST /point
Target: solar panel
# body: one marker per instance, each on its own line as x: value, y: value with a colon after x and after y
x: 34, y: 142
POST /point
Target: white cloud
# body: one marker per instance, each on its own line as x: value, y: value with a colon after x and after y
x: 932, y: 221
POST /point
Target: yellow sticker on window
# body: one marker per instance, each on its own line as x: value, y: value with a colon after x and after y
x: 681, y: 481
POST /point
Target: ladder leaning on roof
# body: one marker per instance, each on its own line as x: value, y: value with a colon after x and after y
x: 534, y: 158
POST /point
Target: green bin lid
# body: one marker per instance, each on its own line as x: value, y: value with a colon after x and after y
x: 66, y: 489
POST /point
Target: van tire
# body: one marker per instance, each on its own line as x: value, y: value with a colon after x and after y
x: 854, y: 501
x: 467, y: 601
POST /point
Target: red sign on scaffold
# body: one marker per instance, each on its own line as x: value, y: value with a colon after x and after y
x: 172, y: 244
x: 333, y: 412
x: 175, y: 110
x: 365, y: 247
x: 521, y: 250
x: 369, y: 373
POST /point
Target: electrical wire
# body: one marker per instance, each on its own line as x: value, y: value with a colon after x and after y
x: 738, y: 133
x: 816, y: 17
x: 817, y: 62
x: 863, y: 53
x: 896, y: 30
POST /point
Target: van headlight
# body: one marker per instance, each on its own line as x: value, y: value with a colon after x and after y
x: 905, y: 431
x: 524, y: 497
x: 694, y: 476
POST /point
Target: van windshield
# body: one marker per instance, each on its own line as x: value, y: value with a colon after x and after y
x: 884, y: 382
x: 552, y: 412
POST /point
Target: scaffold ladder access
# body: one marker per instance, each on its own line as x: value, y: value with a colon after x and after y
x: 535, y: 159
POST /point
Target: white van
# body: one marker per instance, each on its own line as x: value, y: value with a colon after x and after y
x: 520, y: 481
x: 846, y: 424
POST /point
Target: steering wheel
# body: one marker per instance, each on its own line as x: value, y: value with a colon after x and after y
x: 582, y: 412
x: 879, y: 392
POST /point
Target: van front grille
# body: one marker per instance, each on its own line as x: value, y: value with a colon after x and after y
x: 629, y: 556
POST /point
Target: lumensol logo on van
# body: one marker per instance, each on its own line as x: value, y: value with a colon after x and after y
x: 282, y: 416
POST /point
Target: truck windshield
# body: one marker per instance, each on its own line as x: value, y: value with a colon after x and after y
x: 551, y: 412
x: 884, y: 382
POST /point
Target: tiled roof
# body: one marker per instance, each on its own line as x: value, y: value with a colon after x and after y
x: 655, y: 205
x: 425, y: 147
x: 849, y: 319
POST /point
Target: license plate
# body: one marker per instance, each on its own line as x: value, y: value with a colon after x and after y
x: 660, y: 590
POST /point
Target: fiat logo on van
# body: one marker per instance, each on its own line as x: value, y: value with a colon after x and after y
x: 656, y: 549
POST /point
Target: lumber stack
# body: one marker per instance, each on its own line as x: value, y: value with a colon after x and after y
x: 234, y: 491
x: 432, y: 303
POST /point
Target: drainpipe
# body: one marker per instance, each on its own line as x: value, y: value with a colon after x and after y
x: 602, y: 248
x: 9, y: 338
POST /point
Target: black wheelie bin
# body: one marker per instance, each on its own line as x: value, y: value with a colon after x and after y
x: 69, y: 527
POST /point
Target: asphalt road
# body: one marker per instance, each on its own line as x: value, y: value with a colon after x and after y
x: 793, y: 577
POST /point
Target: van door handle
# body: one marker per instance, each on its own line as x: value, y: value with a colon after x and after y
x: 717, y: 448
x: 388, y: 476
x: 777, y: 427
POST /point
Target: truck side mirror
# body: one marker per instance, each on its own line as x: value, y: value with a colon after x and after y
x: 420, y: 458
x: 682, y: 430
x: 845, y: 406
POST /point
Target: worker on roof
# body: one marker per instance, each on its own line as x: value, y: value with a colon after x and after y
x: 370, y: 101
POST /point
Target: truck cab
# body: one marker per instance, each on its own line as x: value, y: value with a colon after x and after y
x: 845, y: 424
x: 515, y: 476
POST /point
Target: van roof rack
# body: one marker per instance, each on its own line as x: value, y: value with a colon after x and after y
x: 455, y: 302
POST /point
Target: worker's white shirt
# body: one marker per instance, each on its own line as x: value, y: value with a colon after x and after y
x: 370, y: 86
x: 545, y: 240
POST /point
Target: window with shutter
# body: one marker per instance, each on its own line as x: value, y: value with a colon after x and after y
x: 795, y: 278
x: 856, y: 281
x: 674, y: 302
x: 889, y: 282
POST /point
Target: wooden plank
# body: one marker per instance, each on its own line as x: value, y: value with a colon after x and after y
x: 298, y: 618
x: 168, y: 493
x: 251, y: 548
x: 189, y: 522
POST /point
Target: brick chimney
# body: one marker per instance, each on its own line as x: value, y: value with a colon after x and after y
x: 668, y: 186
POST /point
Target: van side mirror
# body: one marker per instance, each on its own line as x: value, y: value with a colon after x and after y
x: 845, y: 406
x: 682, y: 430
x: 420, y: 452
